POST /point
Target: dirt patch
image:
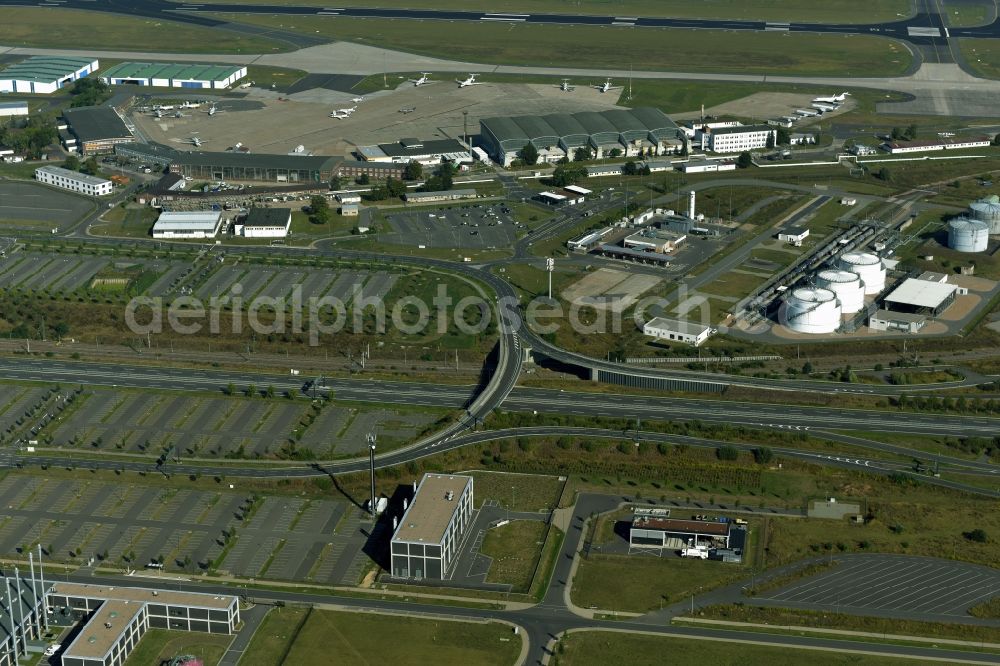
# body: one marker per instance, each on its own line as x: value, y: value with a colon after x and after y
x: 609, y: 289
x: 973, y: 283
x: 961, y: 308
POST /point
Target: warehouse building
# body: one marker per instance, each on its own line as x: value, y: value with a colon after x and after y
x: 676, y: 329
x: 74, y: 181
x: 426, y: 541
x: 414, y: 150
x: 558, y: 135
x: 166, y: 75
x: 939, y: 143
x: 8, y: 109
x: 265, y: 223
x: 188, y: 224
x: 118, y: 617
x: 922, y: 297
x: 655, y: 240
x: 93, y: 130
x: 735, y: 139
x: 444, y: 195
x: 43, y: 75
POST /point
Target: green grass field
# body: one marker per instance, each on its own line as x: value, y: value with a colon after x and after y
x: 597, y: 648
x: 983, y: 55
x: 159, y: 645
x: 361, y: 639
x: 834, y: 11
x: 967, y: 14
x: 640, y: 584
x: 588, y: 46
x: 519, y: 492
x: 515, y: 548
x: 79, y: 29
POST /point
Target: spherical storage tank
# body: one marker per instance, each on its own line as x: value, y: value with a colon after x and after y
x: 809, y: 310
x: 848, y: 287
x: 987, y: 210
x: 868, y: 267
x: 967, y: 235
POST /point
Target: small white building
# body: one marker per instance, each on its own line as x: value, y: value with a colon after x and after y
x: 350, y: 210
x: 705, y: 166
x: 941, y: 143
x: 906, y: 322
x: 74, y: 181
x: 801, y: 139
x: 188, y: 224
x: 266, y: 223
x: 349, y: 198
x: 793, y: 235
x: 675, y: 329
x: 8, y: 109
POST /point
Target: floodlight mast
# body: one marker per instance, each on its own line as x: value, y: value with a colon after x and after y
x: 371, y: 458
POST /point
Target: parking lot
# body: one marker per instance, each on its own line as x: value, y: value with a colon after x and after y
x: 882, y: 584
x: 151, y: 423
x: 284, y: 538
x: 38, y: 207
x: 280, y: 282
x: 472, y: 226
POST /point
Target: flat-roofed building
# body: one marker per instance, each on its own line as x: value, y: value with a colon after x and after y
x: 652, y: 529
x: 705, y: 166
x: 676, y: 329
x: 374, y: 170
x: 170, y: 75
x: 655, y: 240
x: 887, y: 320
x: 42, y: 75
x: 793, y: 235
x: 426, y: 541
x: 350, y: 210
x: 444, y: 195
x: 117, y: 617
x: 940, y: 143
x: 188, y: 224
x: 736, y: 139
x: 97, y: 129
x: 266, y: 223
x: 74, y: 181
x: 8, y: 109
x: 408, y: 150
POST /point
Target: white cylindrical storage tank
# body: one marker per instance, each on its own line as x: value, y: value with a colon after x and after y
x: 987, y: 210
x: 691, y: 205
x: 809, y: 310
x: 967, y: 235
x: 868, y: 267
x: 848, y: 287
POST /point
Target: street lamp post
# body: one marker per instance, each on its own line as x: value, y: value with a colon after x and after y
x: 371, y: 459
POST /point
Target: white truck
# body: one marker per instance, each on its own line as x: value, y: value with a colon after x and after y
x: 699, y: 552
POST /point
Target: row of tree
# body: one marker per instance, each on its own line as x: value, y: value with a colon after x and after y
x: 30, y: 136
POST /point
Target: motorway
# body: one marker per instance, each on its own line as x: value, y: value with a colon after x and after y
x: 521, y: 399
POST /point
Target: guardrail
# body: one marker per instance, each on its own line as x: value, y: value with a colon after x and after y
x: 704, y: 359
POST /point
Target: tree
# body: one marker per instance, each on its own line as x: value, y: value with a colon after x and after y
x: 269, y: 392
x: 977, y: 535
x: 727, y: 452
x: 615, y: 152
x: 230, y: 389
x: 884, y: 174
x: 770, y: 140
x: 910, y: 133
x: 896, y: 133
x: 89, y: 91
x: 744, y: 161
x: 413, y: 171
x: 89, y: 167
x: 72, y: 163
x: 630, y: 168
x: 763, y: 455
x: 336, y: 182
x: 251, y: 390
x: 528, y: 154
x: 394, y: 188
x: 363, y: 179
x: 582, y: 154
x: 567, y: 175
x: 319, y: 210
x: 784, y: 136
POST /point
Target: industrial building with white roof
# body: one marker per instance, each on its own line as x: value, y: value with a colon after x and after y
x: 425, y: 544
x: 188, y: 224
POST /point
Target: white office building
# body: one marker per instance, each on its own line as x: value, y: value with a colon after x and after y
x: 73, y: 181
x: 188, y: 224
x: 675, y: 329
x: 736, y: 139
x: 427, y: 539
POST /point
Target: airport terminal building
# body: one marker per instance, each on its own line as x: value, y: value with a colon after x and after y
x: 559, y: 135
x: 165, y: 75
x: 43, y: 75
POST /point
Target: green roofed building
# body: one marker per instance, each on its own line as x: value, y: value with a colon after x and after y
x: 642, y: 130
x: 45, y: 74
x: 167, y: 75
